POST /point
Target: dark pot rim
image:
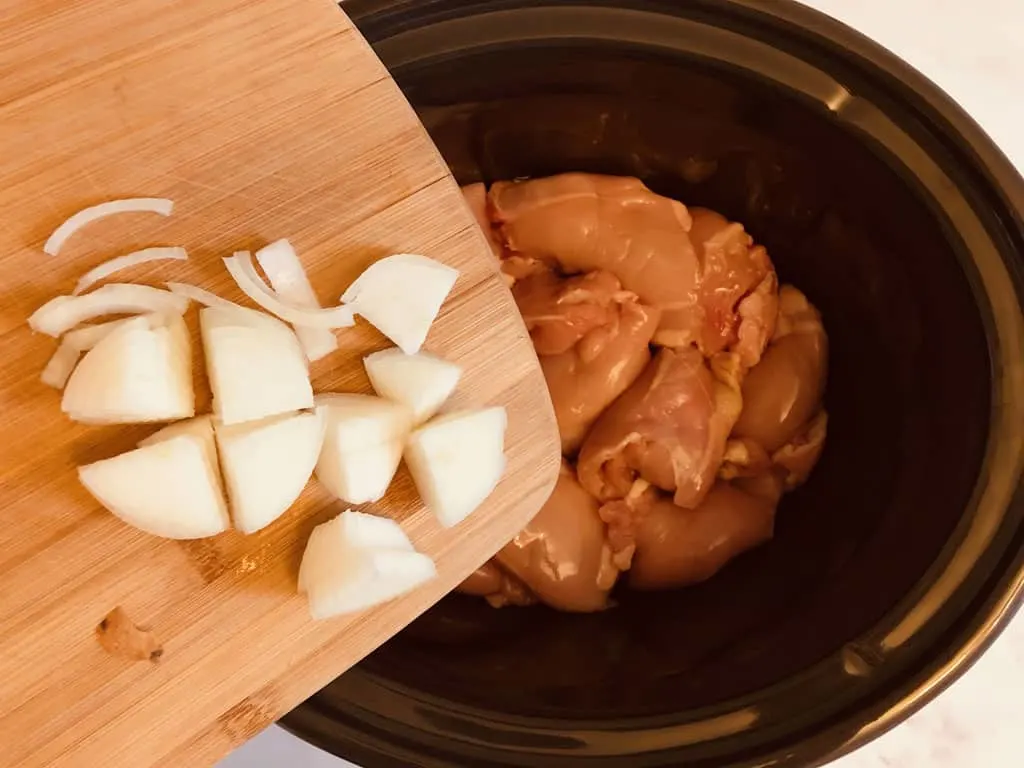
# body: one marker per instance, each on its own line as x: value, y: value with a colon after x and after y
x: 939, y: 611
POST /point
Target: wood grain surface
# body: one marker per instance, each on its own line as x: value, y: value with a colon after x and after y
x: 261, y: 119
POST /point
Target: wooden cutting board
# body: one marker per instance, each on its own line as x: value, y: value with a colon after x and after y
x: 261, y: 119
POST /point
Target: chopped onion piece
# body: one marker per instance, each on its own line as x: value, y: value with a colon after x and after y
x: 169, y: 488
x: 457, y: 460
x: 254, y: 364
x: 266, y: 464
x: 118, y: 263
x: 350, y: 565
x: 65, y: 312
x: 244, y: 273
x: 74, y: 343
x: 89, y: 215
x: 287, y: 277
x: 400, y: 296
x: 60, y: 366
x: 141, y: 372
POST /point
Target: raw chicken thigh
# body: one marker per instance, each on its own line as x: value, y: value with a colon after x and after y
x: 584, y: 222
x: 592, y: 338
x: 783, y: 423
x: 674, y: 546
x: 586, y: 379
x: 738, y: 287
x: 561, y: 556
x: 559, y: 311
x: 687, y: 386
x: 669, y: 429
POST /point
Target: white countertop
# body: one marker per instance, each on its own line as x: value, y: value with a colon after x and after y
x: 974, y: 49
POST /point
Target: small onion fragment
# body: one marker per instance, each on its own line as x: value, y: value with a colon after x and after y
x: 60, y: 235
x: 132, y: 259
x: 244, y: 273
x: 62, y: 313
x: 60, y: 366
x: 287, y: 277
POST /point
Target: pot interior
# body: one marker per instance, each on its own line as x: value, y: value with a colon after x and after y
x: 908, y: 393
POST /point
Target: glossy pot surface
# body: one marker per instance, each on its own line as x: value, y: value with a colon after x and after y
x: 904, y: 554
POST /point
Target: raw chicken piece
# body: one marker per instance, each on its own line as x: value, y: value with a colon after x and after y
x: 732, y: 270
x: 675, y: 547
x: 798, y: 457
x: 588, y: 378
x: 592, y: 338
x: 756, y: 317
x: 562, y: 554
x: 714, y: 288
x: 490, y: 581
x: 587, y: 222
x: 783, y: 392
x: 669, y: 428
x: 558, y: 311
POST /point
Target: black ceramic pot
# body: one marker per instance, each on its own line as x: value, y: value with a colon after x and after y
x: 904, y: 555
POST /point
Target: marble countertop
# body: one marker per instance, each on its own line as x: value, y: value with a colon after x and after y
x: 975, y: 51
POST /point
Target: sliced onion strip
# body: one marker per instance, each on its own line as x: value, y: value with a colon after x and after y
x: 207, y: 299
x: 62, y: 313
x: 244, y: 273
x: 88, y: 336
x: 132, y: 259
x: 60, y: 366
x: 203, y: 296
x: 91, y: 214
x: 287, y: 277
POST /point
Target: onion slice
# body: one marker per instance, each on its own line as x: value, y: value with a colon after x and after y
x: 207, y: 299
x: 132, y: 259
x: 65, y: 312
x: 88, y: 336
x: 88, y: 215
x: 244, y: 273
x: 203, y: 296
x: 60, y: 366
x: 287, y: 277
